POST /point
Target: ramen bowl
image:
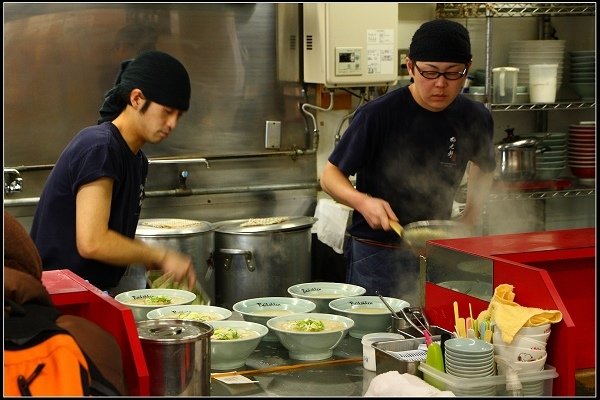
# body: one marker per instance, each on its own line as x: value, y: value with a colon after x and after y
x: 321, y: 293
x: 232, y: 342
x: 369, y: 313
x: 142, y: 301
x: 261, y: 309
x: 190, y: 312
x: 310, y: 336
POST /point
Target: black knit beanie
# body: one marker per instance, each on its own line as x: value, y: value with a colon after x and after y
x: 441, y: 40
x: 161, y: 77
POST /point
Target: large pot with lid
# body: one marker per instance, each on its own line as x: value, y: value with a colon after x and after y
x: 194, y: 238
x: 261, y: 259
x: 516, y: 159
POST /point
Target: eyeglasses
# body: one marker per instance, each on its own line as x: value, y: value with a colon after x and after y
x: 451, y: 76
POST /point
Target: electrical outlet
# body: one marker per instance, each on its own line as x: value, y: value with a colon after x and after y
x: 273, y: 134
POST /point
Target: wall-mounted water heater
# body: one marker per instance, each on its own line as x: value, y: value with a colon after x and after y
x: 350, y: 44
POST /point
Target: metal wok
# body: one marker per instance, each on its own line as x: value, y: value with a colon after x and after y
x: 419, y: 232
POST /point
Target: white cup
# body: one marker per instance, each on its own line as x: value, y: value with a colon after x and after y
x: 367, y: 341
x: 542, y: 83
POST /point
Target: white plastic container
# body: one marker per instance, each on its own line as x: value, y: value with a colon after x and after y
x: 534, y: 383
x: 368, y: 350
x: 542, y: 83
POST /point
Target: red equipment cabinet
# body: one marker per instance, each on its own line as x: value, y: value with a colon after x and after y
x: 549, y: 270
x: 74, y: 296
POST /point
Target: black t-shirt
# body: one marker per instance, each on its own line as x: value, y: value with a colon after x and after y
x: 412, y: 157
x: 95, y: 152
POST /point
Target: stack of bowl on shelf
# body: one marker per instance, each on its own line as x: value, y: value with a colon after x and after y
x: 551, y: 163
x: 523, y: 53
x: 470, y: 358
x: 582, y: 76
x: 582, y: 151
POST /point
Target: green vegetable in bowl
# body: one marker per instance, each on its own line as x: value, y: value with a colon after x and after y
x: 225, y: 334
x: 308, y: 325
x: 157, y: 300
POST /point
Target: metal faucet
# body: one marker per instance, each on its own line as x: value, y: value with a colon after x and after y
x: 12, y: 181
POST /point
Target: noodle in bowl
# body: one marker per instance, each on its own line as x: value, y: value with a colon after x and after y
x: 310, y: 336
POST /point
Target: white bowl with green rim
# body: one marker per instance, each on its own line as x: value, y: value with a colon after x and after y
x: 142, y: 301
x: 369, y: 313
x: 321, y: 293
x: 310, y: 336
x: 261, y: 309
x: 191, y: 312
x: 232, y: 342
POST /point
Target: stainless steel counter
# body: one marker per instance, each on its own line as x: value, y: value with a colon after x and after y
x: 326, y: 380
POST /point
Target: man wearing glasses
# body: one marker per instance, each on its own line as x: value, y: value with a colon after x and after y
x: 409, y: 150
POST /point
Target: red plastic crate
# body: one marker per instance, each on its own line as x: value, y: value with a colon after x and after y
x: 74, y: 296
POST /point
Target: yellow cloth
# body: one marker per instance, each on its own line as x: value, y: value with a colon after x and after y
x: 509, y: 316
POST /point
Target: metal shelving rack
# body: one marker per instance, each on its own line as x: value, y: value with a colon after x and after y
x: 472, y: 10
x: 542, y: 195
x: 499, y: 10
x: 569, y: 105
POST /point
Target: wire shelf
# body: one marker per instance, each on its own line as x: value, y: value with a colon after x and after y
x: 474, y: 10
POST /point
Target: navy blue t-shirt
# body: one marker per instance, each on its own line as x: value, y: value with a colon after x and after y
x: 412, y: 157
x: 95, y: 152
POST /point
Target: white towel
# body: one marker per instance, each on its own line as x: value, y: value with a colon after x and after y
x: 392, y: 383
x: 332, y: 220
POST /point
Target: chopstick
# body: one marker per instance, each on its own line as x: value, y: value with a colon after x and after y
x: 281, y: 368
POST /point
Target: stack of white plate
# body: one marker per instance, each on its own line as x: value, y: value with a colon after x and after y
x: 582, y: 76
x: 523, y: 53
x: 470, y: 358
x: 552, y: 161
x: 582, y: 151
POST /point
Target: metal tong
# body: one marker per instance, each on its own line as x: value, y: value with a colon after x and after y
x: 417, y: 314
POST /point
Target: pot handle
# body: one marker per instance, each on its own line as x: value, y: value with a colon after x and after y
x: 236, y: 252
x: 541, y: 149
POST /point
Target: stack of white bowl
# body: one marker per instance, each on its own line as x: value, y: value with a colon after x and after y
x: 526, y: 353
x: 582, y: 151
x: 470, y: 358
x: 551, y: 163
x: 582, y: 76
x: 523, y: 53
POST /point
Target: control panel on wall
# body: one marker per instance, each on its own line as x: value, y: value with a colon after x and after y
x: 350, y: 44
x: 348, y: 61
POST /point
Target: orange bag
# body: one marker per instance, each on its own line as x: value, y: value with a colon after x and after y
x: 54, y: 367
x: 42, y: 359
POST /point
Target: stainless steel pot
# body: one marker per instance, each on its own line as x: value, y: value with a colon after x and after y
x: 195, y: 238
x: 517, y: 160
x: 261, y: 261
x: 177, y: 355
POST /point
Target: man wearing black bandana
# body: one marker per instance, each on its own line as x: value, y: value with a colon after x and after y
x: 90, y: 205
x: 409, y: 150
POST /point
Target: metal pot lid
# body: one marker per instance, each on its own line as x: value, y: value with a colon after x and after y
x: 257, y: 225
x: 172, y: 331
x: 523, y: 143
x: 170, y: 226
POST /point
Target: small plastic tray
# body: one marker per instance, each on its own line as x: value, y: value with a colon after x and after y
x: 535, y: 383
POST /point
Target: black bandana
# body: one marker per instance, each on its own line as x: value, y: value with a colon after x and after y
x: 161, y: 77
x: 441, y: 40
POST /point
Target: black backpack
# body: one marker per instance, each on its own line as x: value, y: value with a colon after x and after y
x: 42, y: 359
